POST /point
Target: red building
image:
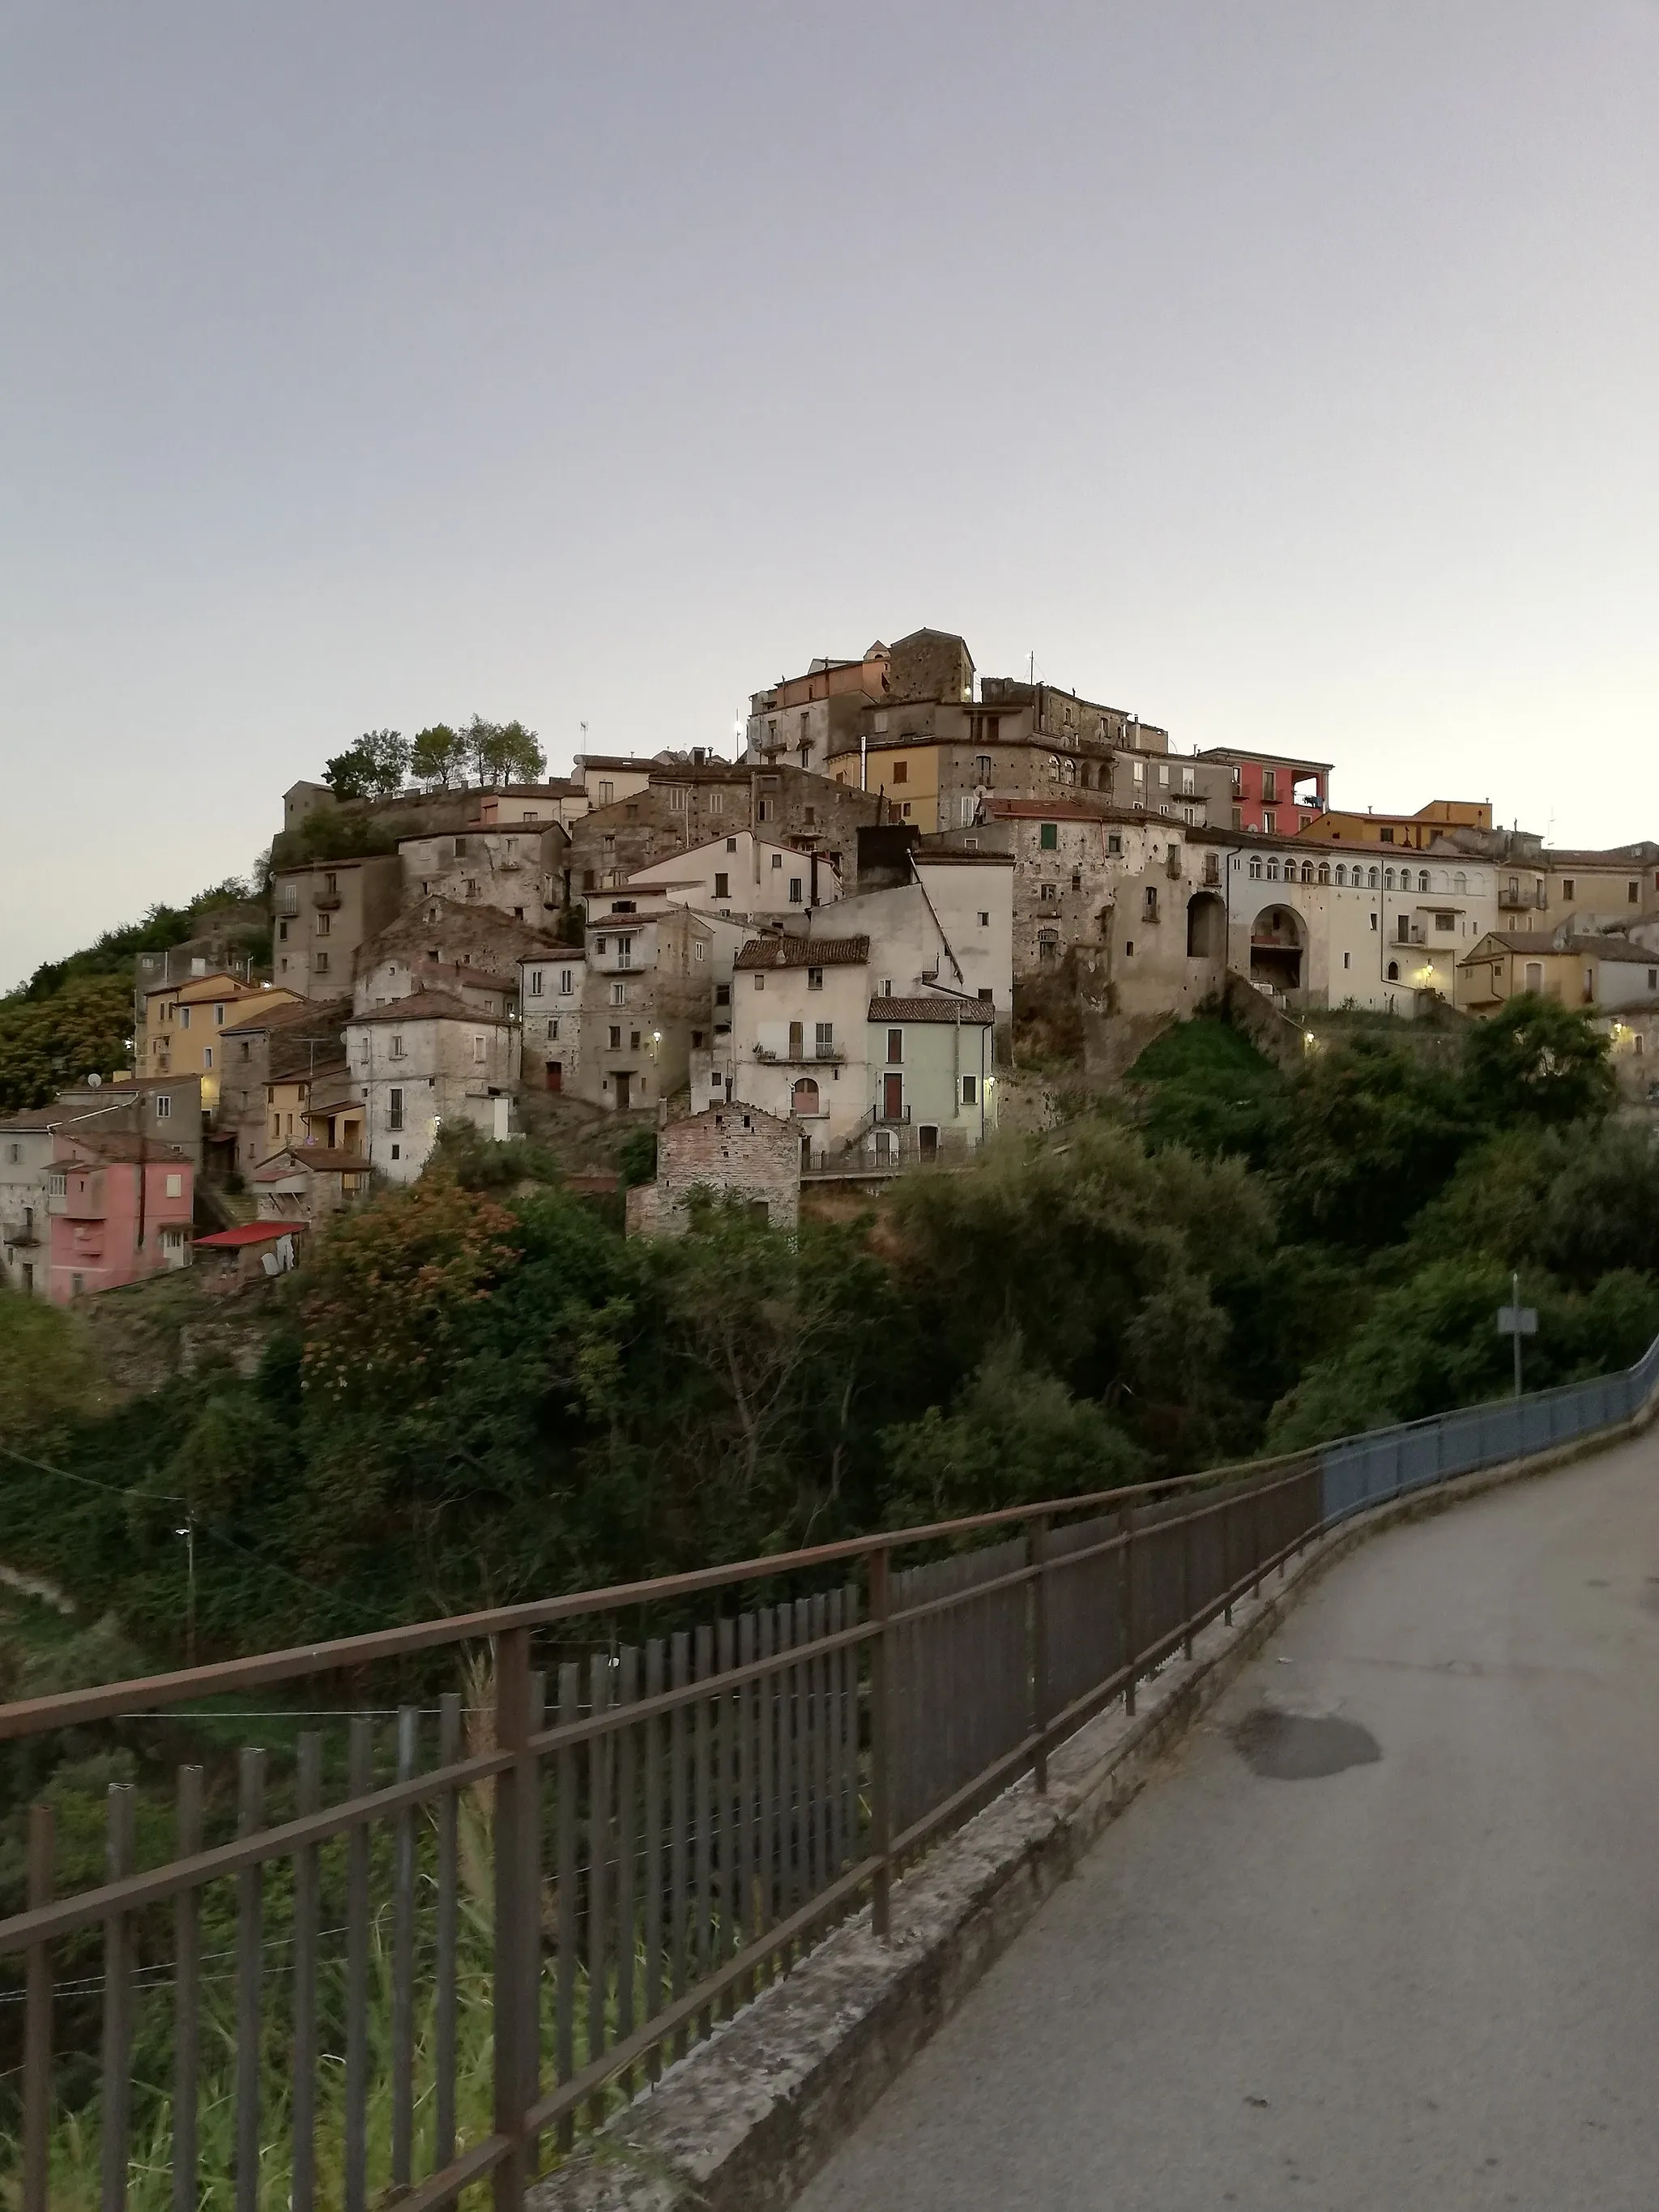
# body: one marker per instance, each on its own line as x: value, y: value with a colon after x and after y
x: 1276, y: 796
x: 119, y: 1209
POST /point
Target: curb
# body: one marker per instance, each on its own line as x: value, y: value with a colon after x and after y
x: 743, y: 2123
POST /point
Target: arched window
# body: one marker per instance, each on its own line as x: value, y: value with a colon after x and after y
x: 805, y: 1098
x: 1388, y: 879
x: 1463, y: 883
x: 1371, y: 880
x: 1422, y: 879
x: 1393, y: 972
x: 1324, y: 871
x: 1272, y: 870
x: 1307, y: 871
x: 1341, y: 875
x: 1255, y: 865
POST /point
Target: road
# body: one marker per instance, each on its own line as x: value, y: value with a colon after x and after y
x: 1421, y: 1976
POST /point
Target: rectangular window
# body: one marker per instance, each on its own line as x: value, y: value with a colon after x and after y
x: 219, y: 1011
x: 322, y: 925
x: 1048, y: 893
x: 1633, y: 893
x: 698, y: 950
x: 1048, y: 837
x: 163, y: 1108
x: 1269, y: 784
x: 1566, y: 887
x: 619, y: 994
x: 394, y: 1109
x: 207, y: 1055
x: 970, y: 1089
x: 553, y: 1032
x: 826, y: 1039
x: 722, y: 885
x: 616, y: 1038
x: 625, y: 952
x: 322, y: 964
x: 564, y: 983
x: 535, y: 982
x: 397, y: 1048
x: 777, y: 860
x: 1386, y: 833
x: 794, y: 890
x: 184, y: 1012
x: 477, y: 1049
x: 607, y: 791
x: 1114, y: 840
x: 895, y: 1048
x: 1163, y: 775
x: 175, y: 1186
x: 814, y: 979
x: 1268, y: 822
x: 722, y: 994
x: 901, y: 771
x: 985, y: 920
x: 677, y: 798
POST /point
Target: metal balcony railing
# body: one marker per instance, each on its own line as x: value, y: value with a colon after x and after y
x: 621, y: 1848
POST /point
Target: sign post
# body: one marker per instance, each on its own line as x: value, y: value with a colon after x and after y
x: 1515, y: 1321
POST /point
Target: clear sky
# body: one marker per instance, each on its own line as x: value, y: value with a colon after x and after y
x: 1287, y: 373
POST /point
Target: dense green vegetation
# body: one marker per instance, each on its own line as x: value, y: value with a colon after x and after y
x: 73, y: 1018
x: 478, y: 1388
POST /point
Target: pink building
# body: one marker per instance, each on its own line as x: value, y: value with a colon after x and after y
x: 119, y: 1210
x: 1272, y: 793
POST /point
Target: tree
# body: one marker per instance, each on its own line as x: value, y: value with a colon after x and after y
x: 1538, y: 1061
x: 45, y: 1371
x: 503, y: 752
x: 83, y: 1029
x: 438, y: 755
x: 375, y: 768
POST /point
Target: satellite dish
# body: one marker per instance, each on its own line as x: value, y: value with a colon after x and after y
x: 93, y: 1082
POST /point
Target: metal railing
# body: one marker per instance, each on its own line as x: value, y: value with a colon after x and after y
x: 641, y: 1805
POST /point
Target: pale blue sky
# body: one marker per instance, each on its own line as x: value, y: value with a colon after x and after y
x: 1288, y: 373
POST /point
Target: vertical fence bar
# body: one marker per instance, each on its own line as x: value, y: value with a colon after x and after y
x: 117, y: 2003
x: 402, y: 1962
x: 1037, y: 1555
x: 1255, y: 1538
x: 748, y: 1705
x: 1187, y: 1525
x: 360, y: 1780
x: 446, y: 1961
x: 308, y: 1798
x: 849, y: 1726
x: 881, y: 1830
x: 250, y: 1959
x: 801, y: 1773
x: 628, y: 1845
x: 837, y: 1745
x: 37, y: 2020
x: 678, y: 1827
x: 821, y: 1768
x: 653, y: 1858
x: 1131, y: 1639
x: 783, y: 1707
x: 725, y: 1792
x: 599, y: 1765
x: 187, y: 1995
x: 702, y: 1796
x: 517, y: 1930
x: 564, y: 1987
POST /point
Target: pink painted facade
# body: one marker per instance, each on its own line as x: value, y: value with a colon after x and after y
x: 1273, y: 794
x: 119, y: 1210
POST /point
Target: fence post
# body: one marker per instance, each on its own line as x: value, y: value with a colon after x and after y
x: 37, y: 2038
x: 1038, y: 1554
x: 881, y: 1801
x: 1131, y: 1646
x: 517, y: 1930
x: 1187, y: 1527
x: 1255, y: 1539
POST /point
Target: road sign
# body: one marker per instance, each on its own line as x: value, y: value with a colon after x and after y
x: 1517, y: 1321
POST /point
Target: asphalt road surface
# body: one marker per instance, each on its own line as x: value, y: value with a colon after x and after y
x: 1384, y: 1937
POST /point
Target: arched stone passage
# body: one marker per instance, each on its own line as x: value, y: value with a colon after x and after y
x: 1207, y: 927
x: 1279, y: 941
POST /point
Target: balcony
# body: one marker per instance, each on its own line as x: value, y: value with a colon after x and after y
x: 1517, y: 898
x: 800, y: 1055
x: 325, y: 902
x: 20, y: 1235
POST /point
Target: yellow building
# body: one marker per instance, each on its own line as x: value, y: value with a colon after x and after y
x: 1417, y: 832
x: 904, y: 772
x: 181, y: 1031
x: 1605, y: 972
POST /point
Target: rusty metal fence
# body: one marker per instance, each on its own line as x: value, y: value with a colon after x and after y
x: 407, y: 1950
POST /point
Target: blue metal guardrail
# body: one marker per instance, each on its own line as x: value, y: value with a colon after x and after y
x: 1362, y: 1471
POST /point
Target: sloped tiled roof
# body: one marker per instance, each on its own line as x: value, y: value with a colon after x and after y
x: 978, y: 1011
x: 422, y: 1006
x: 804, y: 952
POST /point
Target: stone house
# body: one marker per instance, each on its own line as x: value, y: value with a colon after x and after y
x: 1588, y: 891
x: 648, y: 987
x: 323, y: 914
x: 743, y: 876
x: 563, y: 803
x: 309, y: 1182
x: 799, y: 1034
x: 1608, y: 972
x: 249, y: 1252
x: 550, y: 992
x: 809, y: 718
x: 726, y: 1153
x: 398, y: 975
x: 420, y: 1062
x: 167, y: 1107
x: 119, y: 1210
x: 27, y: 1146
x: 517, y: 869
x: 1632, y: 1036
x: 269, y: 1050
x: 436, y: 933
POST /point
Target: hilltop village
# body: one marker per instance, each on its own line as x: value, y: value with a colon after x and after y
x: 815, y: 964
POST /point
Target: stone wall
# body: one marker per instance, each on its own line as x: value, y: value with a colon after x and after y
x: 729, y: 1150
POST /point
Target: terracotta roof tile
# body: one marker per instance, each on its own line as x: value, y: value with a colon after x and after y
x: 977, y: 1011
x: 804, y: 952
